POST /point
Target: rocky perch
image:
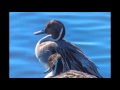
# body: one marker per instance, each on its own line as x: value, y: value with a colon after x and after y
x: 74, y: 74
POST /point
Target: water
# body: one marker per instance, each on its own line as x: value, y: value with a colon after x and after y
x: 90, y: 31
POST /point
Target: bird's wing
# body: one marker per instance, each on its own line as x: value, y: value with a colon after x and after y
x: 75, y: 59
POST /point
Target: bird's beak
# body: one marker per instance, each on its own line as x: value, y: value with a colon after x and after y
x: 39, y: 32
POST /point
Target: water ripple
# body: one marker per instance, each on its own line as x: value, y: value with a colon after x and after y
x: 89, y: 31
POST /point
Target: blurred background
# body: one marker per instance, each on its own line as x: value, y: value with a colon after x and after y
x: 90, y: 31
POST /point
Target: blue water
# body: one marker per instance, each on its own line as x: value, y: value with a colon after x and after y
x: 90, y: 31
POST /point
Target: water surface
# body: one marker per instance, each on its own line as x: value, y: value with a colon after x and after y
x: 90, y: 31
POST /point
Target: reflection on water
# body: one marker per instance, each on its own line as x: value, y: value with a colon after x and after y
x: 90, y: 31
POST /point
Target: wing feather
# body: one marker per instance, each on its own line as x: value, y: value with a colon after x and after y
x: 75, y: 59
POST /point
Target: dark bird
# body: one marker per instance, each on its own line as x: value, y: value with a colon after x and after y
x: 72, y: 57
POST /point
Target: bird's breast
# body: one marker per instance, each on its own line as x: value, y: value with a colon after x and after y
x: 45, y: 49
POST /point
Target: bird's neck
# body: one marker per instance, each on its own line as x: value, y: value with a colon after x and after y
x: 46, y: 38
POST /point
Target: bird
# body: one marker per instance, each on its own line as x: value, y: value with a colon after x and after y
x: 73, y: 74
x: 56, y: 65
x: 56, y: 69
x: 73, y: 57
